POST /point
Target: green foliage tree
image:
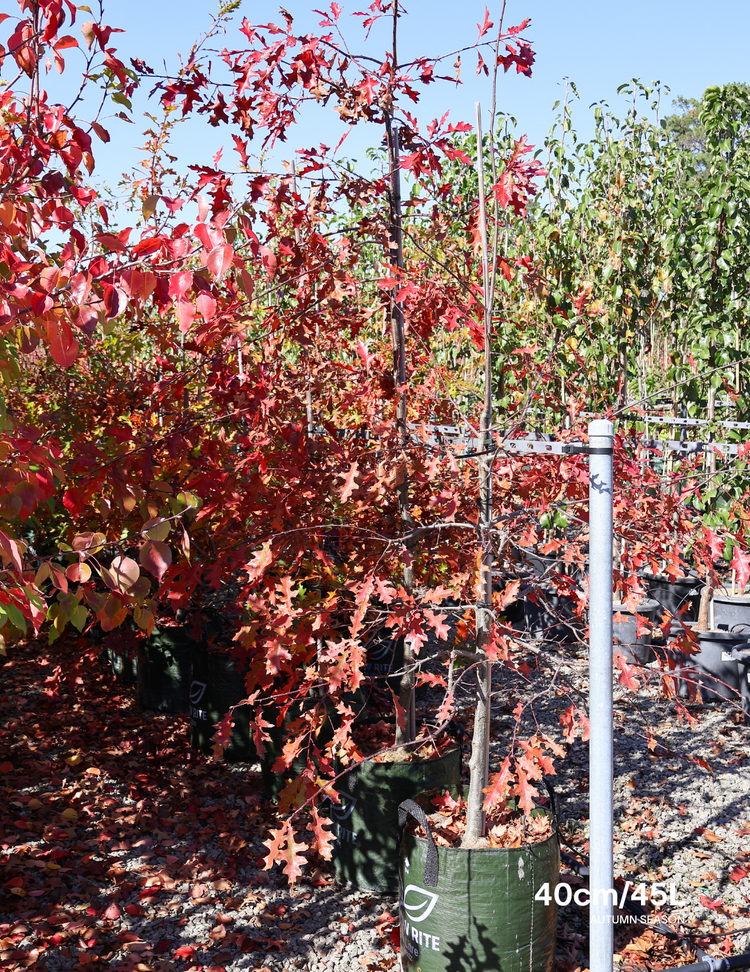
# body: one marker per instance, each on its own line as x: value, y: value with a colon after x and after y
x: 686, y: 129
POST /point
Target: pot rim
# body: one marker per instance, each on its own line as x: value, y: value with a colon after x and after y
x: 555, y: 835
x: 643, y: 607
x: 729, y: 598
x: 435, y: 759
x: 484, y: 850
x: 690, y: 578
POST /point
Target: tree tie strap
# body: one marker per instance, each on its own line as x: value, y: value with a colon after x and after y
x: 431, y: 868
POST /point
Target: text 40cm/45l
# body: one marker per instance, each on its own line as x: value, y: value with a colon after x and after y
x: 657, y: 894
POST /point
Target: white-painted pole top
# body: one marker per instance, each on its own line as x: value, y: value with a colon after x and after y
x: 601, y: 427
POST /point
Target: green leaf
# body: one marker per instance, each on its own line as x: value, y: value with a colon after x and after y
x: 78, y: 617
x: 149, y: 206
x: 120, y: 99
x: 16, y: 617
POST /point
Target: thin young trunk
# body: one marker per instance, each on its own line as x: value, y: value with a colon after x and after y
x: 305, y: 354
x: 622, y: 360
x: 711, y: 407
x: 703, y: 623
x: 185, y: 394
x: 406, y: 731
x: 642, y: 364
x: 479, y: 761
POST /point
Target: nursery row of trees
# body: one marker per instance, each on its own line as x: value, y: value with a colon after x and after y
x: 232, y: 398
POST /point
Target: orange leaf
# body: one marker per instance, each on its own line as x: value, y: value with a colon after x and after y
x: 349, y: 483
x: 525, y: 792
x: 155, y: 557
x: 322, y: 839
x: 400, y: 712
x: 628, y: 677
x: 509, y: 594
x: 260, y: 563
x: 125, y: 572
x: 293, y: 859
x: 78, y: 573
x: 496, y: 794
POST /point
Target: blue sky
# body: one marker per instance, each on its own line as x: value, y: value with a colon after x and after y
x: 686, y: 45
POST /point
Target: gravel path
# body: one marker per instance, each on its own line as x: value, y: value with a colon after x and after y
x: 117, y: 850
x: 681, y: 811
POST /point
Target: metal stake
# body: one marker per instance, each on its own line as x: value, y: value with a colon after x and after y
x: 601, y: 434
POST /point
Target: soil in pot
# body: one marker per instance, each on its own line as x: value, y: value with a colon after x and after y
x: 164, y: 669
x: 731, y: 611
x: 218, y: 683
x: 634, y: 647
x: 681, y: 596
x: 475, y: 909
x: 365, y: 822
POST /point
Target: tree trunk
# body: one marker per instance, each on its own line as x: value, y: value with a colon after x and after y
x: 703, y: 624
x: 480, y: 744
x: 407, y: 730
x: 711, y: 464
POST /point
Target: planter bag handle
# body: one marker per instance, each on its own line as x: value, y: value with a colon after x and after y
x: 552, y: 797
x: 411, y: 809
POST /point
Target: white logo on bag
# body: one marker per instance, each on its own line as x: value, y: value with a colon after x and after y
x: 379, y: 651
x: 343, y: 810
x: 196, y: 691
x: 422, y: 907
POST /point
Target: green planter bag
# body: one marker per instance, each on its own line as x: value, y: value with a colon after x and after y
x: 365, y: 853
x: 124, y: 666
x: 164, y: 670
x: 475, y: 910
x: 273, y: 782
x: 121, y: 650
x: 218, y: 683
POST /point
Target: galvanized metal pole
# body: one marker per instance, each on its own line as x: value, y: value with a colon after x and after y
x: 601, y: 435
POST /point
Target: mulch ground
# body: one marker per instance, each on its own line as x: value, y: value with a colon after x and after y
x: 120, y: 848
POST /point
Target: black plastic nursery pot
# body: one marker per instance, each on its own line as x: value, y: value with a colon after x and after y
x: 732, y: 611
x: 536, y: 564
x: 681, y: 596
x: 743, y: 665
x: 218, y: 683
x: 635, y: 649
x: 718, y: 677
x: 475, y: 910
x: 671, y: 649
x: 365, y: 822
x: 164, y: 669
x: 551, y: 616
